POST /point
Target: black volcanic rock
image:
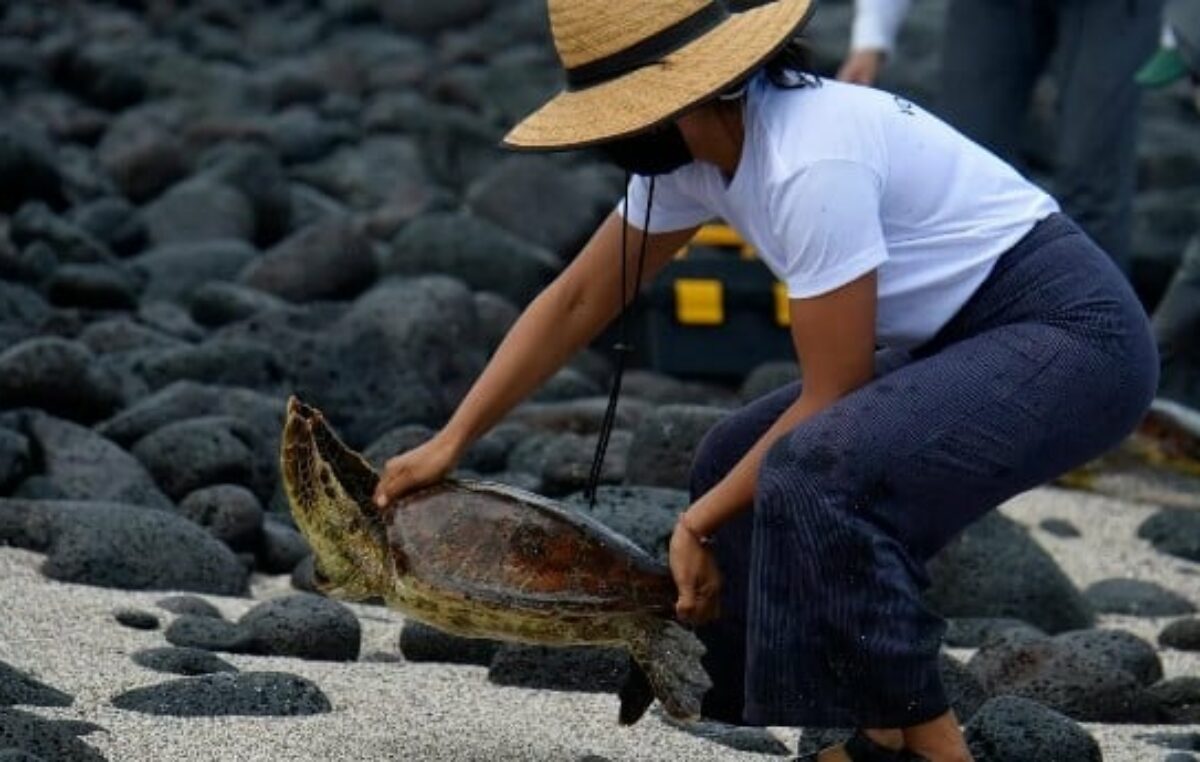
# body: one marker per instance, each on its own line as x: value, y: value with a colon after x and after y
x: 59, y: 376
x: 1073, y: 680
x: 1013, y: 729
x: 83, y: 465
x: 18, y: 688
x: 975, y: 577
x: 258, y: 694
x: 200, y: 452
x: 1137, y: 598
x: 305, y: 626
x: 47, y: 740
x: 182, y: 661
x: 231, y: 513
x: 121, y: 546
x: 329, y: 259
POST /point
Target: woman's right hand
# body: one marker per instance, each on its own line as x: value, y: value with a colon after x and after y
x: 419, y: 467
x: 862, y: 67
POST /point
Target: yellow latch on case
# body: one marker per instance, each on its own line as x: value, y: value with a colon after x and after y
x: 699, y: 301
x: 783, y: 313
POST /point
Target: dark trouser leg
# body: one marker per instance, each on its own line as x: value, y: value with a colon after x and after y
x: 1102, y: 43
x: 993, y: 51
x: 851, y: 503
x: 720, y: 450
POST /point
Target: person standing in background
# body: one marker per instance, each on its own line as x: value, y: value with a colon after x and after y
x: 1176, y: 319
x: 993, y: 54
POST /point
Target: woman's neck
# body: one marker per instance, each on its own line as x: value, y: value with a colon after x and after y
x: 715, y: 133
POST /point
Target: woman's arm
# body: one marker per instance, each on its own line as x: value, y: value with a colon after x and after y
x: 568, y: 314
x: 834, y: 337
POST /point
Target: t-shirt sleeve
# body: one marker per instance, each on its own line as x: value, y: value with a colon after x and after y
x: 825, y: 218
x: 672, y: 209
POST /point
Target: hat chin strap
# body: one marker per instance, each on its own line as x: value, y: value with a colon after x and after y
x: 623, y: 348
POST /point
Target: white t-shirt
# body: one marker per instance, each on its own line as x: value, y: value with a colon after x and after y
x: 836, y: 180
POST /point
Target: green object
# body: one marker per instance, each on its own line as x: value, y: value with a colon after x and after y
x: 1165, y: 67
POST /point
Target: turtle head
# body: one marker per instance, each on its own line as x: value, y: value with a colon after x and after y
x: 329, y: 488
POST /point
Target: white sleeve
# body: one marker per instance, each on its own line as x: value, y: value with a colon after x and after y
x: 877, y: 23
x: 672, y: 208
x: 826, y: 220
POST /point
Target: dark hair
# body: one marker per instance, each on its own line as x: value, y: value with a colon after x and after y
x: 790, y: 68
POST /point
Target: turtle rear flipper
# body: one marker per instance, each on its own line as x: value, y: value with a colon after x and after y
x: 668, y: 660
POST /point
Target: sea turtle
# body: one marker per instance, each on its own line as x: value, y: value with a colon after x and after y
x: 487, y: 560
x: 1159, y: 462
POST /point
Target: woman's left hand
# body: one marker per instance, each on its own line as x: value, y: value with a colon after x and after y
x: 696, y: 576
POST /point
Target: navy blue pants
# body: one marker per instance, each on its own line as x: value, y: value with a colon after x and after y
x: 1048, y: 365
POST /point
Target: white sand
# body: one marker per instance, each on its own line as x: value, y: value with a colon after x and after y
x: 65, y: 636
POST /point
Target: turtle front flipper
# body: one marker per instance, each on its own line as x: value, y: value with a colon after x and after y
x: 667, y: 660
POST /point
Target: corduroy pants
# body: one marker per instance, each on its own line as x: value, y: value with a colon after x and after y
x: 1049, y: 364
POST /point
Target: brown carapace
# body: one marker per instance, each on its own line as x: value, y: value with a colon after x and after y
x: 487, y: 560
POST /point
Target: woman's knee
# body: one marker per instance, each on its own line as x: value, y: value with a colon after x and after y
x: 719, y: 450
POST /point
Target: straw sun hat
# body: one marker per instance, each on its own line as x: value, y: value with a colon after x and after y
x: 631, y: 64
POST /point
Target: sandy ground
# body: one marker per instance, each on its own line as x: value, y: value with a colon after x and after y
x: 65, y: 636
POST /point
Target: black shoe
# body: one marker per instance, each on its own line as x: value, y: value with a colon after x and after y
x: 860, y: 748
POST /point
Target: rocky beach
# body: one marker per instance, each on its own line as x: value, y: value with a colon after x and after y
x: 209, y: 205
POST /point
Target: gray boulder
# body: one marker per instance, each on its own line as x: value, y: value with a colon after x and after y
x: 422, y: 643
x: 256, y: 172
x: 200, y: 452
x: 121, y: 546
x: 1120, y: 648
x: 378, y: 171
x: 182, y: 661
x: 41, y: 739
x: 216, y: 303
x: 248, y: 364
x: 188, y: 604
x: 92, y: 286
x: 16, y: 687
x: 208, y: 633
x: 37, y: 223
x: 477, y: 252
x: 28, y: 169
x: 975, y: 576
x: 142, y: 152
x: 645, y: 515
x: 416, y: 17
x: 1063, y: 676
x: 1174, y: 531
x: 577, y: 668
x: 304, y: 626
x: 231, y: 513
x: 282, y: 547
x: 198, y: 209
x: 665, y: 442
x: 1014, y: 729
x: 85, y: 466
x: 174, y: 271
x: 537, y: 198
x: 59, y: 376
x: 256, y: 694
x: 567, y: 462
x: 1183, y: 634
x: 1136, y: 598
x: 15, y: 458
x: 329, y: 259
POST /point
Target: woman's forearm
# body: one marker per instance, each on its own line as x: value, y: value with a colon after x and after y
x: 735, y: 493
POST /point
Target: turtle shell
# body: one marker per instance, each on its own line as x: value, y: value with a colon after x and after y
x: 495, y: 543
